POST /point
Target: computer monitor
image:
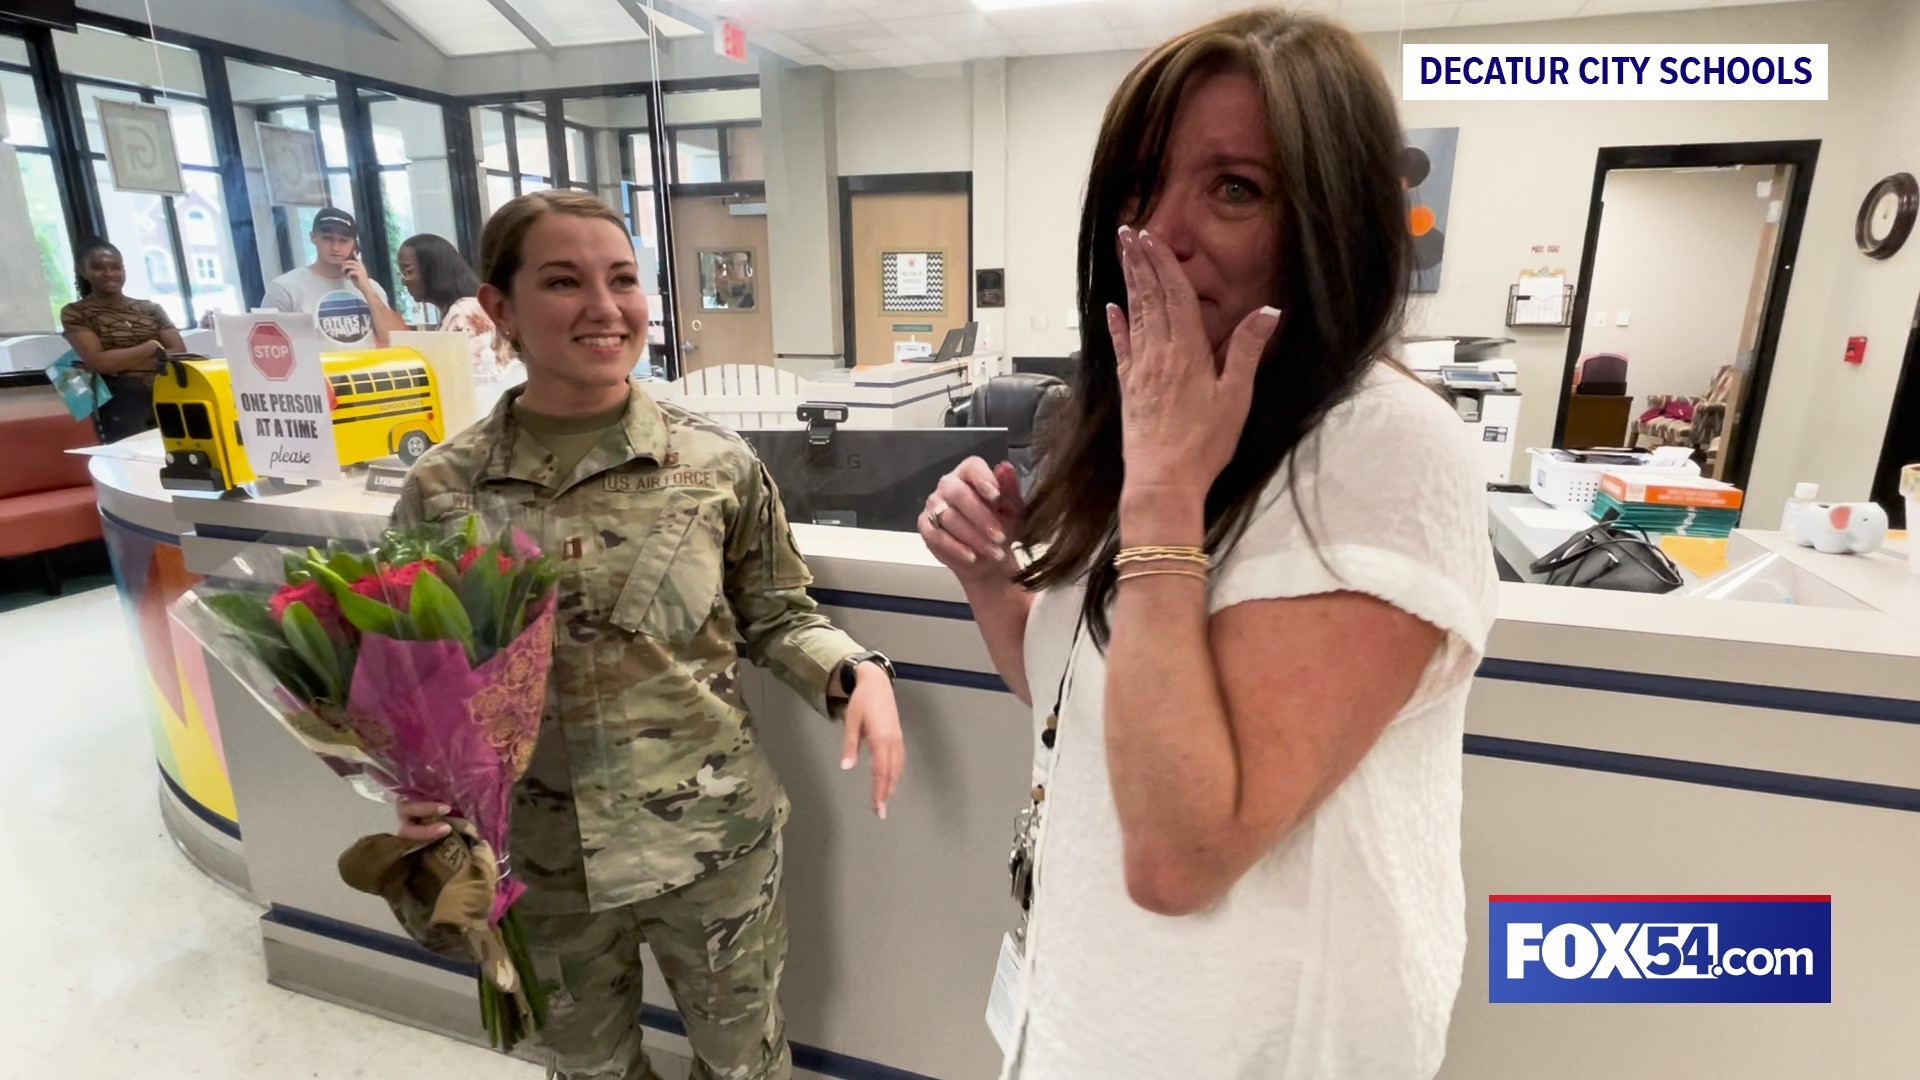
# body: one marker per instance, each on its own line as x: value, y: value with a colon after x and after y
x: 950, y: 346
x: 876, y: 478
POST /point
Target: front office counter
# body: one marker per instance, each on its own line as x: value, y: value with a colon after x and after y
x: 1616, y: 744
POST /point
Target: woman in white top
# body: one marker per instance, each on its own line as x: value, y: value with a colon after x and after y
x: 1262, y: 588
x: 434, y: 272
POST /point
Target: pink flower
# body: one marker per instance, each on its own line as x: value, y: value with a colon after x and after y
x: 472, y: 555
x: 393, y: 585
x: 318, y: 600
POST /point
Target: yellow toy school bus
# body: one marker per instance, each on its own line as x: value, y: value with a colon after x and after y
x: 384, y: 401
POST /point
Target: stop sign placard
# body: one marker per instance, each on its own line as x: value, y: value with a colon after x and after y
x: 270, y: 351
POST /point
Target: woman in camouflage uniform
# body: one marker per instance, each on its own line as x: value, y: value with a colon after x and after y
x: 650, y: 814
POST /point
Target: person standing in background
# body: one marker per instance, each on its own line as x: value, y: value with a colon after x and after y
x: 335, y: 288
x: 118, y: 338
x: 434, y: 272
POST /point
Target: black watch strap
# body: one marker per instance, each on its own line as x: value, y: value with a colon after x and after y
x: 847, y: 681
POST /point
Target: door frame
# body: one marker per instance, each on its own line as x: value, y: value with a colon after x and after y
x: 1802, y: 154
x: 940, y: 183
x: 1901, y: 446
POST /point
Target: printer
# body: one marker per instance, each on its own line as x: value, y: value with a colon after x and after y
x: 1482, y: 386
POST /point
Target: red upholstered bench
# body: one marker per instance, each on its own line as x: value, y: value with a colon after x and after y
x: 46, y: 494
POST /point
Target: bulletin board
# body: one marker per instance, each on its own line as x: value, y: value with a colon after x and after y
x: 913, y: 282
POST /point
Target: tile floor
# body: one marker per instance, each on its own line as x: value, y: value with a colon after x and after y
x: 119, y: 958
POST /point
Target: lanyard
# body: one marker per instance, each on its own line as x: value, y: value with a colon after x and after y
x: 1020, y: 864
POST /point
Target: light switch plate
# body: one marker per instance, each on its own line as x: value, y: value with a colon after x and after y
x: 1622, y: 318
x: 1073, y: 320
x: 1599, y: 318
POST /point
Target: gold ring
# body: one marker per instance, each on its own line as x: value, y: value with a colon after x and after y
x: 934, y: 517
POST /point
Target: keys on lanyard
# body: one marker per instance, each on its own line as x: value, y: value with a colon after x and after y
x: 1026, y: 827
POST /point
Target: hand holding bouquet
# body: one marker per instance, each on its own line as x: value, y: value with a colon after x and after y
x: 417, y: 671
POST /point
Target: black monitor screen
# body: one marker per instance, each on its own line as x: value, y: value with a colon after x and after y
x: 869, y: 479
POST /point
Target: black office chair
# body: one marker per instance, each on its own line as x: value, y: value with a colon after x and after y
x: 1021, y: 403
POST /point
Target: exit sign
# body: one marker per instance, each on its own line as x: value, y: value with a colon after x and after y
x: 730, y: 40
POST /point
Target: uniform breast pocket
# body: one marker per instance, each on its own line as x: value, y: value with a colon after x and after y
x: 674, y: 582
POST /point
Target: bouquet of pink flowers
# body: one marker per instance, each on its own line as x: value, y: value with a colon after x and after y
x: 418, y: 671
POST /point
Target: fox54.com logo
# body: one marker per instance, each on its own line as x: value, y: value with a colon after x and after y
x: 1660, y: 949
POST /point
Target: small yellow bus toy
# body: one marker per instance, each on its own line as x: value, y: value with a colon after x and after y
x: 383, y: 401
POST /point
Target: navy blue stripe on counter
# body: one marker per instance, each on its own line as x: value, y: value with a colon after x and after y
x: 199, y: 808
x: 810, y: 1058
x: 258, y: 536
x: 400, y: 948
x: 155, y: 535
x: 826, y: 1062
x: 897, y: 605
x: 1712, y: 691
x: 1764, y: 781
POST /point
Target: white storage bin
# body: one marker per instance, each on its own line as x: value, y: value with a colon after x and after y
x: 1573, y: 485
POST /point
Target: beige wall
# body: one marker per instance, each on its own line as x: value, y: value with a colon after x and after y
x: 905, y: 120
x: 1846, y: 412
x: 1676, y: 253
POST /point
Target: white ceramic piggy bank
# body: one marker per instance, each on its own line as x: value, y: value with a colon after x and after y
x: 1843, y: 528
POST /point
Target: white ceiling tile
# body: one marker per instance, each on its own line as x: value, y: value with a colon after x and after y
x: 1084, y: 40
x: 888, y: 10
x: 576, y: 22
x: 833, y: 39
x: 462, y: 27
x: 1146, y: 37
x: 1055, y: 21
x: 667, y: 26
x: 1482, y: 12
x: 966, y: 26
x: 786, y: 15
x: 1122, y: 14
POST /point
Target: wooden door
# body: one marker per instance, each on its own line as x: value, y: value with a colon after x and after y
x: 722, y: 294
x: 885, y: 228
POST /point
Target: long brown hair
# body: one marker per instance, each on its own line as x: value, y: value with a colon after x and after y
x: 1345, y: 256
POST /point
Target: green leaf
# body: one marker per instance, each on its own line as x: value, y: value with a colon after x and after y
x: 311, y: 645
x: 476, y: 598
x: 469, y: 531
x: 293, y: 568
x: 367, y: 616
x: 437, y: 612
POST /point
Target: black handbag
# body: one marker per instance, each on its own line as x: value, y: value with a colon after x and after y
x: 1610, y: 556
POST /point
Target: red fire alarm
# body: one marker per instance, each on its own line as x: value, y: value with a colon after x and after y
x: 729, y: 40
x: 1856, y: 350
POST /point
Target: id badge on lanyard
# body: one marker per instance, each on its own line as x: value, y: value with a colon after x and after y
x: 1021, y: 861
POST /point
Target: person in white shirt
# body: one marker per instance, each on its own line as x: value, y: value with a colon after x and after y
x: 335, y: 288
x: 1262, y: 586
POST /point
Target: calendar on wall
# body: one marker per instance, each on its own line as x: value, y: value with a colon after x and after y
x: 913, y: 281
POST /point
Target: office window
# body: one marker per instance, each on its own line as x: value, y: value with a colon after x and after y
x: 513, y: 147
x: 46, y: 202
x: 165, y: 240
x: 416, y: 187
x: 696, y: 155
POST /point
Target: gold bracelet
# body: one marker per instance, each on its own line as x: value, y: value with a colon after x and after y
x: 1176, y: 571
x: 1130, y: 556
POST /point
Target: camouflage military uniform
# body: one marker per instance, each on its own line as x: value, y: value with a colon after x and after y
x: 650, y: 811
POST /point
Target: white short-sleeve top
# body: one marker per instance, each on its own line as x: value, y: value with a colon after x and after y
x: 1339, y: 953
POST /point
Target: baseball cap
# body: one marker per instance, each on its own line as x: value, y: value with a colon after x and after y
x: 333, y: 219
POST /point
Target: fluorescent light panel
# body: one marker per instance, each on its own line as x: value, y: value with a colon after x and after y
x: 579, y: 22
x: 462, y: 27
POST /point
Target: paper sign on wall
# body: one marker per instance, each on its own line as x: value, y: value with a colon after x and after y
x: 280, y: 395
x: 911, y: 268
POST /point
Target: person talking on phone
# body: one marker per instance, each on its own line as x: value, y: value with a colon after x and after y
x: 335, y: 287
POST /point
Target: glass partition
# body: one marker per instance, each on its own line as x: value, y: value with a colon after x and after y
x: 416, y: 184
x: 44, y: 208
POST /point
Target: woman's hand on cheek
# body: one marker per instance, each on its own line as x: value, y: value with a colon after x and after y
x: 1180, y: 419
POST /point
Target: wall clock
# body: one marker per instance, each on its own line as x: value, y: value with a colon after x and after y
x: 1886, y: 216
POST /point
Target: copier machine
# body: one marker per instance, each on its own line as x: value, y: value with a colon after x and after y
x: 1483, y: 387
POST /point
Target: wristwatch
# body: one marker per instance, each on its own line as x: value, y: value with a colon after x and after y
x: 847, y: 680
